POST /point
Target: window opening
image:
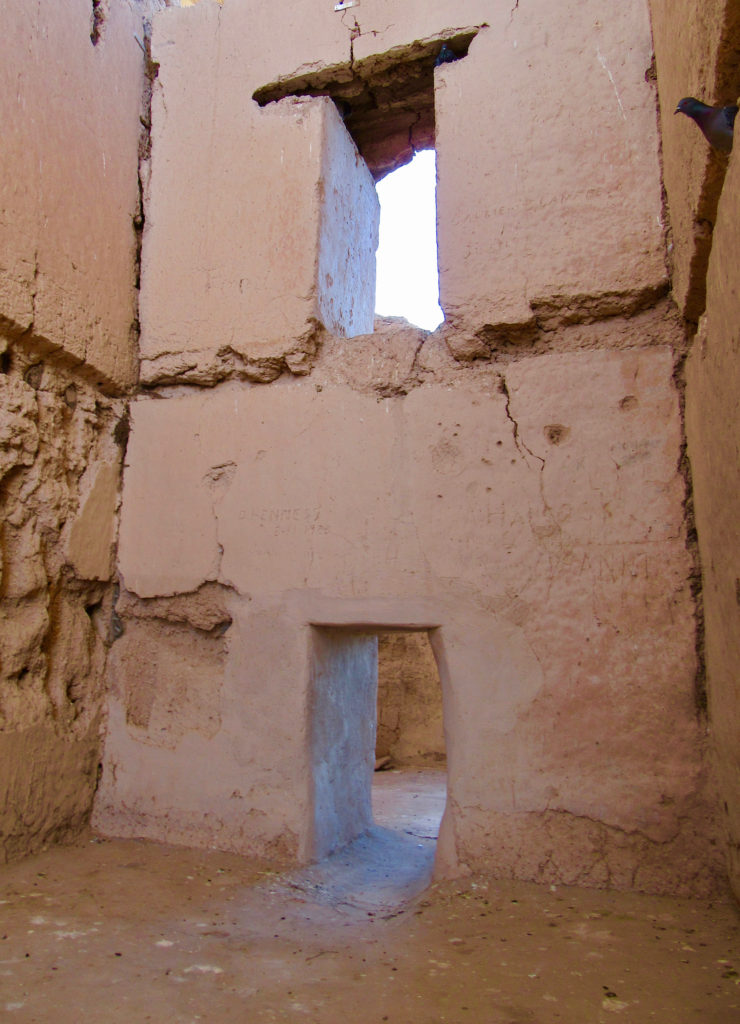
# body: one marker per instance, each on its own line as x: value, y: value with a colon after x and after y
x: 386, y: 102
x: 407, y: 278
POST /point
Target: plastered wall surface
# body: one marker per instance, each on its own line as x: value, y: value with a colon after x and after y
x: 69, y: 180
x: 581, y: 169
x: 241, y: 275
x: 344, y: 686
x: 575, y: 163
x: 564, y: 618
x: 510, y: 484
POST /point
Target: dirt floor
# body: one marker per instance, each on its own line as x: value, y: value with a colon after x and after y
x: 129, y: 931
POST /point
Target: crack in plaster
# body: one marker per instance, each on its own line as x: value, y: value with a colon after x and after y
x: 602, y: 61
x: 523, y: 447
x: 520, y: 445
x: 695, y: 578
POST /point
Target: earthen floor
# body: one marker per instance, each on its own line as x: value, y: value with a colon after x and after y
x: 130, y: 931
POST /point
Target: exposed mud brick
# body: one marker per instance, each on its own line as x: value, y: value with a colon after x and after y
x: 56, y: 442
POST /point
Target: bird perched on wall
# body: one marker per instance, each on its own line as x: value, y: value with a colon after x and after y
x: 445, y: 56
x: 717, y: 123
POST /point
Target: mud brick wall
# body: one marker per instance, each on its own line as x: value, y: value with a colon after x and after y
x: 72, y: 92
x: 513, y: 484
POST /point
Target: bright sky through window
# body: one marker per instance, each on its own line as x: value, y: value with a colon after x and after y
x: 407, y: 282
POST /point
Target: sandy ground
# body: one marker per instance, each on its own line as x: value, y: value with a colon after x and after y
x: 127, y: 931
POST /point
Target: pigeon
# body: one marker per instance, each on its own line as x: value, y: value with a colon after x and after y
x: 445, y: 56
x: 716, y: 123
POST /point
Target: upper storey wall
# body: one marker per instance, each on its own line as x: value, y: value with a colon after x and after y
x: 549, y: 197
x: 68, y: 180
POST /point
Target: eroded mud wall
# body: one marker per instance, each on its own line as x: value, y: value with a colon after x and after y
x: 70, y: 101
x: 410, y: 720
x: 511, y: 483
x: 702, y: 59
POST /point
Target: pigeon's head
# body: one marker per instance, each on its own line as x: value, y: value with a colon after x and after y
x: 689, y: 106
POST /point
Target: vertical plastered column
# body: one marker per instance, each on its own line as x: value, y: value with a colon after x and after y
x: 349, y: 216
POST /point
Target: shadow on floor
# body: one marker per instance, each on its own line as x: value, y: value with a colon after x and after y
x: 394, y: 860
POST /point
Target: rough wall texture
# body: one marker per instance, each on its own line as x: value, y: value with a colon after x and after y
x: 59, y: 469
x: 702, y: 58
x: 410, y: 720
x: 70, y: 102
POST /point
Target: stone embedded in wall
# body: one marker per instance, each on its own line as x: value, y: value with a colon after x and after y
x: 55, y: 433
x: 93, y: 532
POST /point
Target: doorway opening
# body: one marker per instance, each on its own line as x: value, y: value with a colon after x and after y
x: 376, y: 700
x: 410, y: 779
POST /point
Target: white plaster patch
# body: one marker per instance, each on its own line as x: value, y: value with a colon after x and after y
x: 203, y: 969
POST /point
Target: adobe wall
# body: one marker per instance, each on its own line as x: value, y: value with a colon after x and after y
x: 702, y: 59
x: 410, y: 719
x: 510, y: 484
x: 70, y: 111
